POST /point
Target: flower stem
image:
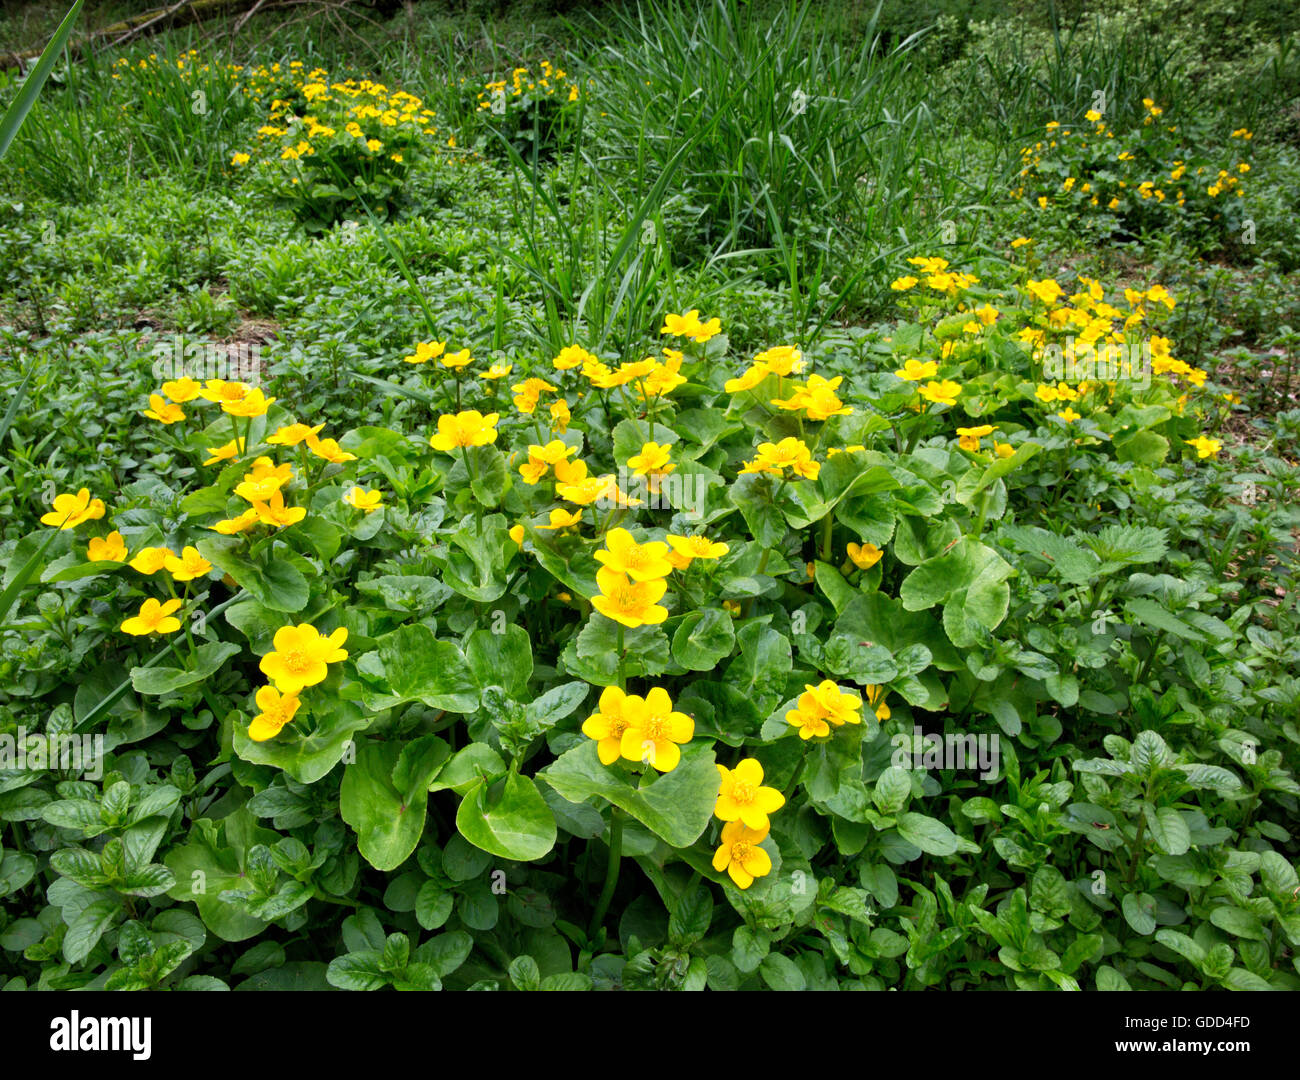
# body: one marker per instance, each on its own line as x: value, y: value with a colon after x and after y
x: 611, y: 869
x: 622, y: 677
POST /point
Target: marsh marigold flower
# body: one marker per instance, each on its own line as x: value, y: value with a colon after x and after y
x: 187, y: 566
x: 696, y: 547
x: 742, y: 796
x: 329, y: 449
x: 1205, y: 447
x: 632, y: 603
x: 426, y: 351
x: 823, y: 706
x: 915, y: 370
x: 864, y: 556
x: 275, y: 513
x: 154, y: 618
x: 607, y: 724
x: 163, y: 411
x: 968, y: 438
x: 689, y: 325
x: 293, y: 434
x: 72, y: 510
x: 254, y: 403
x: 740, y: 855
x: 654, y: 730
x: 110, y: 548
x: 366, y: 501
x: 640, y: 562
x: 182, y: 390
x: 300, y: 655
x: 276, y: 710
x: 943, y: 392
x: 560, y: 518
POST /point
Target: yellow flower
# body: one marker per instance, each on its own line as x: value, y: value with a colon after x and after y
x: 607, y: 725
x: 272, y: 511
x: 968, y: 438
x: 110, y: 548
x: 864, y: 556
x: 560, y: 416
x: 1205, y: 447
x: 943, y: 392
x: 456, y: 360
x: 696, y: 547
x: 300, y: 655
x: 640, y: 562
x: 72, y: 510
x: 188, y: 565
x: 181, y: 390
x: 154, y: 618
x: 752, y: 376
x: 689, y: 325
x: 222, y: 392
x: 426, y: 351
x: 152, y: 559
x: 329, y: 449
x: 1003, y: 449
x: 228, y: 452
x: 781, y: 360
x: 163, y: 411
x: 740, y: 855
x: 1069, y: 415
x: 742, y: 796
x: 904, y: 283
x: 293, y: 434
x: 254, y: 403
x: 1047, y: 290
x: 367, y: 501
x: 242, y: 523
x: 822, y: 706
x: 572, y: 356
x: 517, y: 535
x: 817, y: 399
x: 632, y: 603
x: 875, y: 696
x: 915, y: 370
x: 653, y: 459
x: 497, y: 371
x: 239, y: 159
x: 561, y: 519
x: 276, y: 711
x: 654, y: 730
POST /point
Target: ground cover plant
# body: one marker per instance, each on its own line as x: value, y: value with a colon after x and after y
x: 667, y: 502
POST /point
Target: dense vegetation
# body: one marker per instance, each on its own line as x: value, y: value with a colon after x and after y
x: 712, y: 495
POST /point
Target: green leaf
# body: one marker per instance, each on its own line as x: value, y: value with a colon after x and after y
x: 504, y: 659
x: 703, y: 639
x: 1168, y: 829
x: 388, y: 820
x: 31, y: 87
x: 307, y: 755
x: 676, y: 806
x: 419, y: 667
x: 929, y: 834
x: 1140, y: 912
x: 208, y: 659
x: 514, y: 823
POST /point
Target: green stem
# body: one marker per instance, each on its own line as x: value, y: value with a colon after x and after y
x: 828, y: 527
x: 622, y: 677
x: 611, y: 870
